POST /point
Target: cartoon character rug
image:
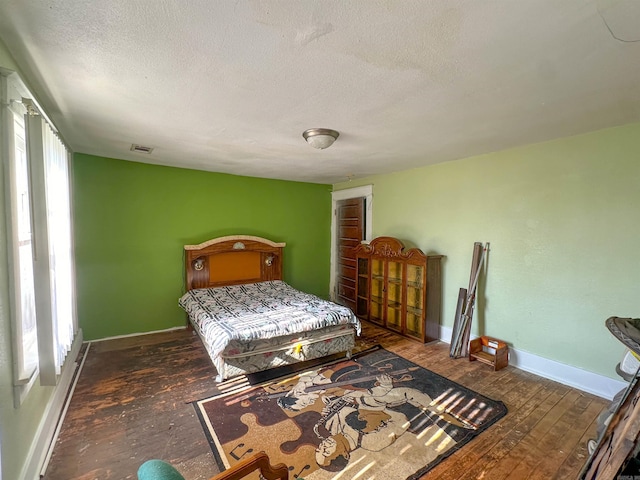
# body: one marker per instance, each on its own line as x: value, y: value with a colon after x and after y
x: 374, y: 416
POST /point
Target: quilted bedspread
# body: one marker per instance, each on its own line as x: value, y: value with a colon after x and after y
x: 259, y: 311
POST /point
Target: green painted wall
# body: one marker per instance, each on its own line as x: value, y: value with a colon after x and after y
x: 18, y: 427
x: 563, y: 221
x: 132, y: 220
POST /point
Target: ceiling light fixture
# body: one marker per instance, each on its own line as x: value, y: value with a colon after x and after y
x: 320, y: 137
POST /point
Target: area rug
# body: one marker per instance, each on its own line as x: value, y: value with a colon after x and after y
x: 377, y: 415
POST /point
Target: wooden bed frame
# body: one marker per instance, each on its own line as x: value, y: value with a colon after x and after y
x: 233, y: 260
x: 242, y: 259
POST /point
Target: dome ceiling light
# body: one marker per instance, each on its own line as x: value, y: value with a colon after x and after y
x: 320, y: 138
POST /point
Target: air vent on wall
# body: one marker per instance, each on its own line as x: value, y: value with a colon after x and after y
x: 141, y: 148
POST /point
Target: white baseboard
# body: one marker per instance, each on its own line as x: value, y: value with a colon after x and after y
x: 575, y: 377
x: 49, y: 423
x: 137, y: 334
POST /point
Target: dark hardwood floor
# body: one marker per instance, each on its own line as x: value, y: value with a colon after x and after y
x: 133, y: 400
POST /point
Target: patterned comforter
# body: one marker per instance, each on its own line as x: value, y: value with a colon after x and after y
x: 259, y: 311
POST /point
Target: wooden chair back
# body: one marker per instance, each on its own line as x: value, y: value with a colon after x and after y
x: 259, y: 461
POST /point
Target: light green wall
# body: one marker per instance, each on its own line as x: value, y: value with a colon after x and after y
x: 132, y: 220
x: 563, y: 221
x: 6, y: 60
x: 18, y: 427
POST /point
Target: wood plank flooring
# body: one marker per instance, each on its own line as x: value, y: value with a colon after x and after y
x: 133, y: 400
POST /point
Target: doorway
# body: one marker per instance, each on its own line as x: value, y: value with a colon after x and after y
x: 351, y: 223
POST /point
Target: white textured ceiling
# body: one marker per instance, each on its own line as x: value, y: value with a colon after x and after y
x: 229, y: 86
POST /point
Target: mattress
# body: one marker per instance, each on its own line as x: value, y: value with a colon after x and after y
x: 261, y: 316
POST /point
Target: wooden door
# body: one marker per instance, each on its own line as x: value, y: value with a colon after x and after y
x: 350, y: 218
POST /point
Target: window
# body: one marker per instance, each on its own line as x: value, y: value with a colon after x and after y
x: 40, y: 249
x: 18, y: 219
x: 28, y: 358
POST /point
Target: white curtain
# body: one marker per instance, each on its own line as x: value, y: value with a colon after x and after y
x: 53, y: 258
x: 57, y: 191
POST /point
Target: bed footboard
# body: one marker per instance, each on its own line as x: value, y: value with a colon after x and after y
x: 249, y: 357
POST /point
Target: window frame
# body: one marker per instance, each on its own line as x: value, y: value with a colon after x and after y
x: 52, y: 361
x: 12, y: 90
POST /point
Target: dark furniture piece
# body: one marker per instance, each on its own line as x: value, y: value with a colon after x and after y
x: 399, y: 290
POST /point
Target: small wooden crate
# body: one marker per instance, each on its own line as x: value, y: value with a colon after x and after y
x: 489, y: 350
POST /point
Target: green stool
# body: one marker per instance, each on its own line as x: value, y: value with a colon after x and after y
x: 158, y: 470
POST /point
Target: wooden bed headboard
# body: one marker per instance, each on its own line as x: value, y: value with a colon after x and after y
x: 232, y: 260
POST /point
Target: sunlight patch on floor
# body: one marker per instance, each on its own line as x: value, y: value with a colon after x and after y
x: 351, y: 466
x: 368, y: 466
